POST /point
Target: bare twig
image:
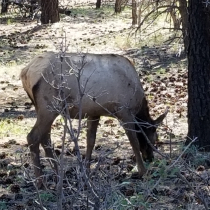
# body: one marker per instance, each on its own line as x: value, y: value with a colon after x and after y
x: 173, y: 164
x: 186, y: 148
x: 196, y: 193
x: 61, y: 171
x: 148, y: 141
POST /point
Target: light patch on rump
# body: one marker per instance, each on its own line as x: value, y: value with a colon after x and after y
x: 31, y: 74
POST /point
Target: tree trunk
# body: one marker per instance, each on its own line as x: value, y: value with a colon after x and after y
x: 118, y: 6
x: 32, y: 6
x: 184, y: 19
x: 4, y: 6
x: 134, y: 12
x: 98, y: 4
x: 199, y: 74
x: 140, y: 6
x: 50, y: 12
x: 175, y: 18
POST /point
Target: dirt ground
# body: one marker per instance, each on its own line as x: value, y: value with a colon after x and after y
x: 161, y: 71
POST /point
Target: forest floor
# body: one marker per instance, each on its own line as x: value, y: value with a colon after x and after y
x: 163, y: 72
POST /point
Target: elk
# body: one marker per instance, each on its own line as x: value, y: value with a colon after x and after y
x: 107, y: 84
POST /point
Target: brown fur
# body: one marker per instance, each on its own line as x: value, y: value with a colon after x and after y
x: 108, y: 85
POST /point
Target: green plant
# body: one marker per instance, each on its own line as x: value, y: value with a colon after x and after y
x: 195, y: 158
x: 47, y: 197
x: 150, y: 97
x: 122, y: 202
x: 149, y: 78
x: 11, y: 126
x: 161, y: 71
x: 9, y: 21
x: 3, y: 205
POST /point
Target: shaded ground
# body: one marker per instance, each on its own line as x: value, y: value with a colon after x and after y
x: 163, y: 75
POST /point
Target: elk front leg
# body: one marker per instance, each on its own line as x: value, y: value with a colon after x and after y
x: 129, y: 127
x: 135, y: 146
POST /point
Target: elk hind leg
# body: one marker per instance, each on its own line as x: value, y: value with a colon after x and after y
x: 34, y: 139
x: 92, y: 124
x: 46, y: 143
x: 40, y: 134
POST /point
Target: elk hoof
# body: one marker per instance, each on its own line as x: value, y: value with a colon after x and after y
x: 136, y: 175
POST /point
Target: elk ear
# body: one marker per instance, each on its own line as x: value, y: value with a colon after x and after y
x: 161, y: 117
